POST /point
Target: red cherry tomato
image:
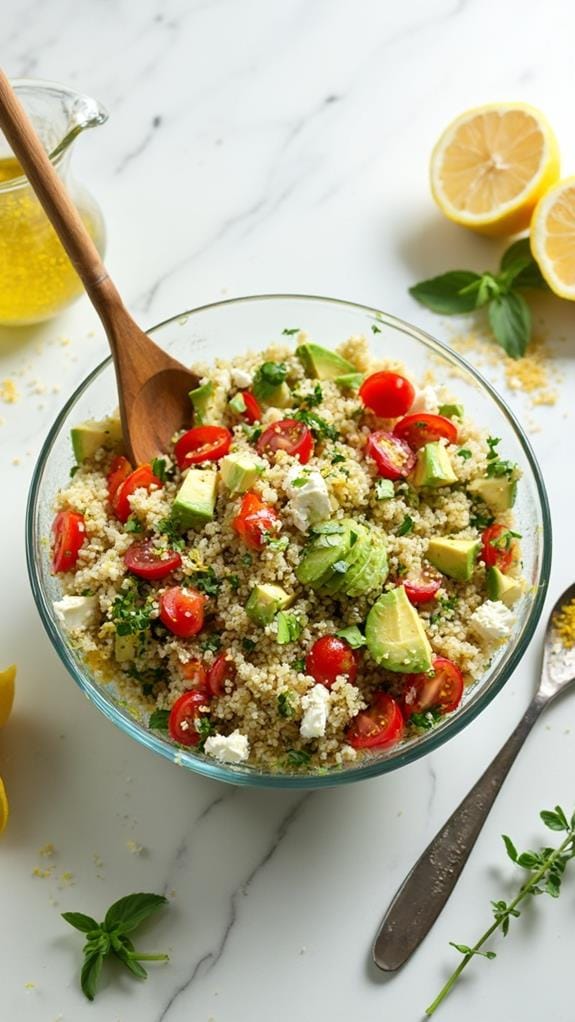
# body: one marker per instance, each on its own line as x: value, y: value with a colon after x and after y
x: 68, y: 535
x: 202, y: 443
x: 183, y: 716
x: 421, y: 590
x: 252, y: 412
x: 393, y: 457
x: 289, y: 435
x: 147, y: 561
x: 194, y: 672
x: 387, y: 394
x: 499, y: 547
x: 329, y: 657
x: 441, y: 690
x: 182, y: 611
x: 140, y: 478
x: 223, y: 669
x: 120, y: 469
x: 254, y: 521
x: 420, y: 428
x: 381, y: 724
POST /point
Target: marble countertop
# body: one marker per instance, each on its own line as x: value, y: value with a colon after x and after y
x: 256, y: 147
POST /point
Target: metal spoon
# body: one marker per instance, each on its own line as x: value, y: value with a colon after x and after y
x: 427, y: 887
x: 152, y: 387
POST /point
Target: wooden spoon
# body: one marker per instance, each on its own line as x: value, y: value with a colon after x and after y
x: 152, y: 387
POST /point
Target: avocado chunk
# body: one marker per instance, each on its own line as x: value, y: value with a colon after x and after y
x: 240, y: 471
x: 374, y: 572
x: 355, y: 557
x: 433, y: 467
x: 201, y: 399
x: 350, y: 381
x: 269, y: 386
x: 451, y: 411
x: 344, y: 557
x: 329, y: 545
x: 502, y: 587
x: 498, y: 494
x: 125, y: 647
x: 453, y: 557
x: 323, y: 364
x: 196, y: 499
x: 265, y: 601
x: 395, y: 634
x: 87, y: 437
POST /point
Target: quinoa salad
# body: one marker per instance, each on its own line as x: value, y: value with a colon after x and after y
x: 313, y: 572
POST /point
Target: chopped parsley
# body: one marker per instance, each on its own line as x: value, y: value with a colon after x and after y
x: 310, y: 400
x: 159, y: 468
x: 73, y: 470
x: 246, y: 559
x: 171, y: 529
x: 234, y: 581
x: 212, y: 643
x: 299, y: 664
x: 268, y: 377
x: 297, y: 757
x: 205, y: 728
x: 426, y: 719
x: 375, y: 329
x: 290, y: 331
x: 159, y: 720
x: 248, y: 645
x: 405, y: 527
x: 133, y: 525
x: 447, y: 605
x: 206, y: 581
x: 481, y: 521
x: 337, y: 458
x: 130, y: 616
x: 321, y: 429
x: 285, y: 704
x: 464, y: 453
x: 253, y: 433
x: 505, y: 540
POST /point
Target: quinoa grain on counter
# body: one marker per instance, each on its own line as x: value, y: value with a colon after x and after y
x: 316, y: 569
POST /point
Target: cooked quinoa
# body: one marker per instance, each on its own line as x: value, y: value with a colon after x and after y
x: 269, y: 704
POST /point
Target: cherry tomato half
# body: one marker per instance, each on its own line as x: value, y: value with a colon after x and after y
x: 441, y: 690
x: 254, y: 521
x: 202, y: 443
x: 329, y: 657
x: 140, y: 478
x: 381, y: 724
x: 223, y: 669
x: 420, y: 428
x: 393, y: 457
x: 421, y: 590
x: 193, y: 671
x: 120, y: 469
x: 68, y: 535
x: 183, y: 716
x: 288, y: 435
x: 147, y: 561
x: 499, y: 547
x: 387, y: 394
x: 253, y: 411
x: 182, y: 611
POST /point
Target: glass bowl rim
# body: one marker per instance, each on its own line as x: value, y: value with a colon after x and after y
x: 369, y: 768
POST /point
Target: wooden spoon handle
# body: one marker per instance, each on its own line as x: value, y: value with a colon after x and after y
x: 54, y: 198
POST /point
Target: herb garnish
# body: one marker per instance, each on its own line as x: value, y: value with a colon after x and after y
x: 545, y: 872
x: 129, y: 616
x: 206, y: 581
x: 159, y: 468
x: 464, y: 453
x: 159, y: 720
x: 111, y: 937
x: 133, y: 525
x: 426, y: 719
x: 310, y: 400
x: 171, y: 529
x: 462, y: 291
x: 290, y: 331
x: 375, y: 329
x: 353, y: 636
x: 321, y: 429
x: 285, y: 706
x: 212, y: 643
x: 406, y: 526
x: 248, y: 645
x: 298, y: 757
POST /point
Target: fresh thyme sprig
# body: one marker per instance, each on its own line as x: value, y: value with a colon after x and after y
x: 545, y: 868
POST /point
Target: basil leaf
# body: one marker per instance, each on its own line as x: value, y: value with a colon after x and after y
x: 127, y: 913
x: 518, y: 267
x: 90, y: 974
x: 510, y: 320
x: 444, y: 293
x: 80, y: 921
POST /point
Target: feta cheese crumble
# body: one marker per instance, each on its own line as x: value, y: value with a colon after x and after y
x: 315, y: 705
x: 232, y: 748
x: 492, y: 621
x: 308, y: 495
x: 242, y: 378
x: 76, y: 611
x: 426, y: 400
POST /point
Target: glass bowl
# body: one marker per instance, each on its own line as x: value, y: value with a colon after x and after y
x: 227, y: 329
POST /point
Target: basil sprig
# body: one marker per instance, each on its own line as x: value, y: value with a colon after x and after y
x: 462, y: 291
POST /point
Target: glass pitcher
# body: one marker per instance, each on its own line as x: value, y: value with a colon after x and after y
x: 37, y: 279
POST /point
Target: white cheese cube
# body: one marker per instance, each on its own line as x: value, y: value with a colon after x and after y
x: 492, y: 621
x: 308, y: 495
x: 315, y: 705
x: 232, y: 748
x: 76, y: 612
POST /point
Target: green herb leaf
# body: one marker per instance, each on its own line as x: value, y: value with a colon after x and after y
x: 90, y: 974
x: 405, y: 527
x: 133, y: 525
x: 353, y: 636
x: 159, y: 720
x: 290, y: 331
x: 464, y: 453
x: 80, y: 922
x: 518, y: 267
x: 248, y: 645
x: 375, y: 329
x: 338, y: 458
x: 285, y: 704
x: 127, y: 913
x: 555, y: 820
x: 73, y: 470
x: 212, y: 643
x: 206, y: 581
x: 510, y: 320
x: 269, y: 376
x: 510, y: 847
x: 465, y: 950
x: 159, y: 467
x: 246, y: 559
x: 298, y: 757
x: 321, y: 429
x: 299, y: 665
x: 451, y: 293
x: 234, y: 581
x: 426, y: 719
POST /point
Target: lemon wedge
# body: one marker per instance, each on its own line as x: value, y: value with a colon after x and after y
x: 492, y: 165
x: 553, y: 238
x: 4, y: 808
x: 7, y: 679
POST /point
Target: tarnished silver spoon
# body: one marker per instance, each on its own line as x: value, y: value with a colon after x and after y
x: 427, y: 887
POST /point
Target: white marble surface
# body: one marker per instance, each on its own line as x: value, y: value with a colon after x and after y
x: 256, y: 146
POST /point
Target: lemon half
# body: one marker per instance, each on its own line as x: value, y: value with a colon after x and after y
x: 553, y: 238
x: 492, y: 165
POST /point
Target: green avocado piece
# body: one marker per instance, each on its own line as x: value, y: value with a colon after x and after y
x: 502, y: 587
x: 350, y: 381
x: 272, y: 397
x: 125, y: 647
x: 323, y: 364
x: 87, y: 437
x: 395, y: 634
x: 357, y: 553
x: 498, y: 494
x: 264, y: 602
x: 433, y: 467
x: 240, y: 471
x: 201, y: 399
x: 325, y: 549
x: 451, y: 411
x: 374, y: 571
x: 453, y: 557
x: 196, y: 499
